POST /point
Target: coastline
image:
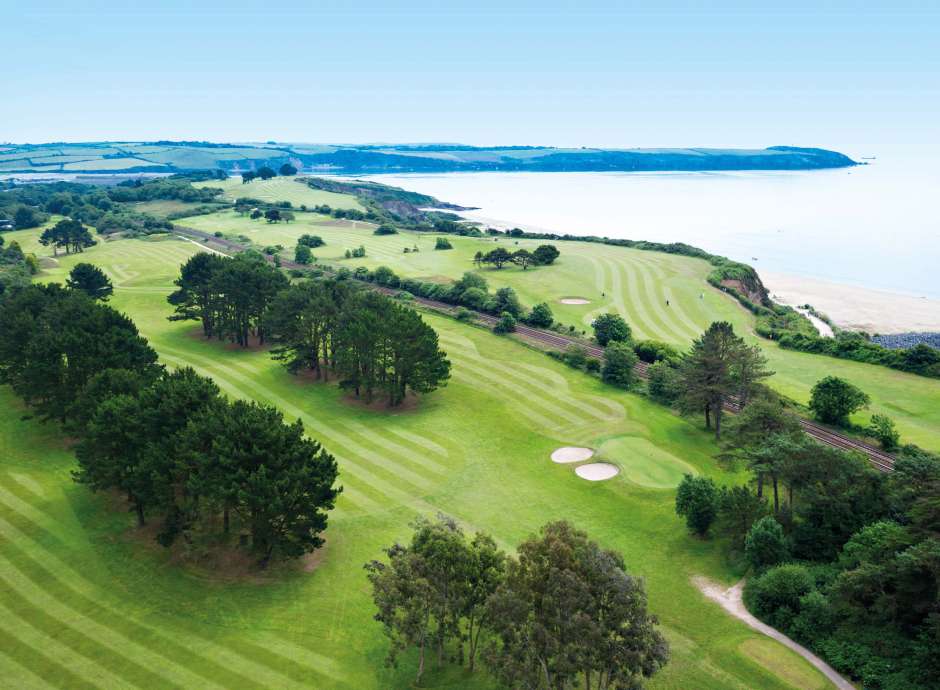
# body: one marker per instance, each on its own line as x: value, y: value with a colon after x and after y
x: 856, y: 308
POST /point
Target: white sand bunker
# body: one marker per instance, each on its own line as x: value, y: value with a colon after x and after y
x: 574, y: 300
x: 596, y: 471
x: 571, y: 454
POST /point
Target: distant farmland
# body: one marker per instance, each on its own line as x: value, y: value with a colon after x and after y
x: 169, y: 157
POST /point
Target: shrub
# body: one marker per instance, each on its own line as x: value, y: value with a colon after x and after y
x: 882, y: 428
x: 541, y: 316
x: 651, y: 351
x: 610, y: 328
x: 697, y: 501
x: 443, y: 243
x: 775, y: 596
x: 619, y: 360
x: 592, y: 365
x: 312, y: 241
x: 663, y: 383
x: 463, y: 314
x: 833, y: 399
x: 506, y: 324
x: 302, y: 254
x: 766, y: 545
x: 575, y: 356
x: 385, y: 230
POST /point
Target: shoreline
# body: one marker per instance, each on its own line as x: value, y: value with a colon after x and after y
x: 856, y: 308
x: 849, y: 307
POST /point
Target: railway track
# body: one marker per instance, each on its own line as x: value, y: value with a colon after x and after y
x: 878, y: 458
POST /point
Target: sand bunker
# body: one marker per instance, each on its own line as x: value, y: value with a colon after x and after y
x: 574, y: 300
x: 571, y: 454
x: 596, y: 471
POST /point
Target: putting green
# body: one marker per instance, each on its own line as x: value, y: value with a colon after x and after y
x: 643, y: 463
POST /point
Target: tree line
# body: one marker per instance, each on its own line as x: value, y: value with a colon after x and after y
x: 563, y: 613
x: 167, y: 441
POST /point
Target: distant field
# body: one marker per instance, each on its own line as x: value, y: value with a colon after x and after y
x: 282, y: 189
x: 163, y: 207
x: 630, y: 282
x: 108, y: 164
x: 89, y: 603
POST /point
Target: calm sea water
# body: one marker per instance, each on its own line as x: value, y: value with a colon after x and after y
x: 875, y: 226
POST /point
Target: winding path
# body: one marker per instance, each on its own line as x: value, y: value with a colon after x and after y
x: 732, y: 602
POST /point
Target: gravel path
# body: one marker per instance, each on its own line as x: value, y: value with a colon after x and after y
x: 731, y: 601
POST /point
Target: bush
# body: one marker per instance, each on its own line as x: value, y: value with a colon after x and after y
x: 775, y: 596
x: 833, y: 399
x: 575, y: 356
x: 443, y: 243
x: 619, y: 360
x: 766, y: 545
x: 312, y: 241
x: 385, y: 230
x: 463, y: 314
x: 506, y: 324
x: 592, y: 365
x: 697, y: 501
x: 882, y: 428
x: 302, y: 254
x: 610, y: 328
x: 662, y: 383
x: 541, y: 316
x: 651, y: 351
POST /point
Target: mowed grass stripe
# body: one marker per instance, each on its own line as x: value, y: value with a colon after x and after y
x: 81, y: 667
x: 36, y: 607
x: 529, y: 388
x: 672, y: 316
x: 33, y: 662
x: 510, y: 399
x: 652, y: 324
x: 422, y: 441
x: 521, y: 395
x: 218, y: 663
x: 387, y: 487
x: 90, y: 590
x: 324, y: 430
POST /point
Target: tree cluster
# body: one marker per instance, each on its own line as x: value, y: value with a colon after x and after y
x: 229, y: 296
x: 372, y: 344
x: 562, y: 614
x: 542, y: 256
x: 175, y: 447
x: 68, y: 234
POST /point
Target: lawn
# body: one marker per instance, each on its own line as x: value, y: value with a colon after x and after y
x: 87, y: 602
x: 631, y: 282
x: 276, y: 189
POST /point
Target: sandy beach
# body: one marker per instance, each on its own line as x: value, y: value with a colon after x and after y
x: 856, y: 308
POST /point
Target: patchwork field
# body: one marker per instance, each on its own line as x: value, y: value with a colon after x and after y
x: 633, y: 283
x: 276, y: 189
x: 88, y: 603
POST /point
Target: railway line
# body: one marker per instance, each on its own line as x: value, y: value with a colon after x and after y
x: 878, y: 458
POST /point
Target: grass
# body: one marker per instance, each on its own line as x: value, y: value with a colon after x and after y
x: 290, y: 189
x: 88, y: 603
x: 633, y: 283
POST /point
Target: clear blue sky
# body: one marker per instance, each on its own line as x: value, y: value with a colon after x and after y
x: 581, y: 73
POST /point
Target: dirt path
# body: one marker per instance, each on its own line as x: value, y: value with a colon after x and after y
x: 731, y: 601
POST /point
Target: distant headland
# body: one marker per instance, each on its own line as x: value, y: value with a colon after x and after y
x: 111, y: 157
